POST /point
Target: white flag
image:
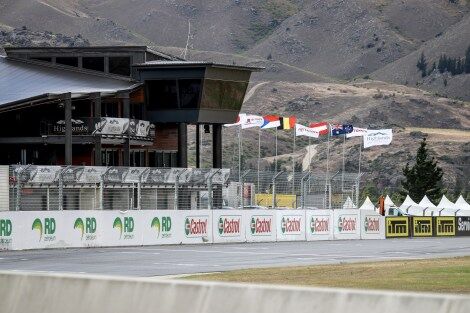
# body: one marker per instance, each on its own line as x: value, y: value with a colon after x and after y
x: 378, y: 137
x: 301, y: 130
x: 252, y: 121
x: 240, y: 119
x: 357, y: 132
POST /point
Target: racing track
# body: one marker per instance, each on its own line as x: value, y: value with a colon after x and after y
x: 174, y: 260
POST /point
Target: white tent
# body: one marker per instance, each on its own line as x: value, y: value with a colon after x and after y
x: 426, y: 203
x: 367, y: 205
x: 349, y: 204
x: 388, y: 203
x: 462, y: 204
x: 410, y: 207
x: 445, y: 203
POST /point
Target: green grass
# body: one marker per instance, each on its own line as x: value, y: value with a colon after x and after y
x: 436, y: 275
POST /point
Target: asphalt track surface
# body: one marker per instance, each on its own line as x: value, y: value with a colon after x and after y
x: 175, y: 260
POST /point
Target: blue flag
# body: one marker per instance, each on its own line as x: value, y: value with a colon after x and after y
x: 337, y: 129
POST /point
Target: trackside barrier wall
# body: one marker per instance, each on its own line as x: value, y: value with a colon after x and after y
x: 96, y: 228
x: 58, y: 293
x: 426, y: 226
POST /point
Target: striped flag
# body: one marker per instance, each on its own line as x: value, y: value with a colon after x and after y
x: 287, y: 122
x: 321, y: 128
x: 271, y: 121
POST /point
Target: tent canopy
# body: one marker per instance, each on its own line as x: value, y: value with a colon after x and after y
x: 388, y: 202
x: 408, y: 203
x: 426, y: 203
x: 462, y: 204
x: 367, y: 205
x: 349, y: 204
x: 445, y: 203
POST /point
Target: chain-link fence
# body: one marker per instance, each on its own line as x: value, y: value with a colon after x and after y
x: 35, y: 187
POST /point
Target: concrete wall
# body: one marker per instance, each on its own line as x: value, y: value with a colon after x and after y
x: 38, y: 293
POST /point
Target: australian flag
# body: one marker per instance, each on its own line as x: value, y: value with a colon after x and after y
x: 338, y: 129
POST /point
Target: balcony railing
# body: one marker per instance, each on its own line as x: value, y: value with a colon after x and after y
x: 104, y: 126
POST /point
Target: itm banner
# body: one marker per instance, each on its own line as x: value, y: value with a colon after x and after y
x: 445, y: 226
x: 463, y: 226
x: 397, y: 226
x: 422, y: 226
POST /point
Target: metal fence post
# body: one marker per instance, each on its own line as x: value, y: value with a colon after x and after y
x: 274, y: 188
x: 242, y: 188
x: 139, y: 189
x: 61, y: 188
x: 302, y: 190
x: 18, y: 186
x: 102, y: 188
x: 209, y: 190
x: 177, y: 178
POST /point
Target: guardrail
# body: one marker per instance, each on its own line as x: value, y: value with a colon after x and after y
x: 98, y: 228
x: 58, y: 293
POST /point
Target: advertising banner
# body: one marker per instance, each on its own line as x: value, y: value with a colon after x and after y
x: 377, y: 137
x: 9, y: 230
x: 445, y: 226
x: 111, y: 126
x: 228, y: 226
x: 397, y: 226
x: 372, y: 225
x: 319, y: 225
x: 463, y: 226
x: 422, y: 226
x: 196, y: 226
x: 346, y: 224
x: 290, y: 225
x: 162, y: 227
x: 122, y: 228
x: 82, y: 228
x: 260, y: 225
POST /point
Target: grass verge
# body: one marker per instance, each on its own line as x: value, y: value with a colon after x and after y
x: 450, y: 275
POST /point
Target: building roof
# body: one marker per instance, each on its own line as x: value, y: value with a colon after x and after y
x: 21, y: 82
x: 155, y: 64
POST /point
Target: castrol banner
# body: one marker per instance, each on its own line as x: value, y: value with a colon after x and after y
x: 290, y: 225
x: 372, y: 225
x: 346, y: 224
x: 319, y: 225
x: 260, y: 225
x: 228, y: 226
x: 196, y: 226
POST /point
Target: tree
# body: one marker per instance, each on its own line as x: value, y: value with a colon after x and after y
x: 467, y: 61
x: 423, y: 178
x: 422, y: 65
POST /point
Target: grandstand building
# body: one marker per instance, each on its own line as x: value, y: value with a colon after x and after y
x: 113, y: 106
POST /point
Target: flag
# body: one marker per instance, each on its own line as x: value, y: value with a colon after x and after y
x: 287, y: 122
x: 357, y: 132
x: 321, y: 128
x: 301, y: 130
x: 271, y: 121
x: 378, y: 137
x: 338, y: 129
x: 240, y: 118
x: 252, y: 121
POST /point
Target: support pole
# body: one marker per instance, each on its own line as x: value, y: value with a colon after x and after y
x: 259, y: 158
x: 127, y: 141
x: 198, y: 146
x: 293, y: 165
x: 342, y: 171
x: 67, y: 98
x: 96, y: 98
x: 274, y: 189
x: 275, y: 155
x: 217, y: 146
x: 182, y: 145
x: 328, y: 170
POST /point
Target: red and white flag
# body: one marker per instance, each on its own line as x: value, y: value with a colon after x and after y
x: 321, y: 128
x: 271, y: 121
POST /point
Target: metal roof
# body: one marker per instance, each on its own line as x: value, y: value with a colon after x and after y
x: 153, y: 64
x: 21, y: 81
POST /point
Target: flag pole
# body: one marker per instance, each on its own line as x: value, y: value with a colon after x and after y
x: 240, y: 154
x: 275, y: 157
x: 360, y: 155
x: 327, y: 164
x: 259, y: 154
x: 293, y: 164
x: 342, y: 172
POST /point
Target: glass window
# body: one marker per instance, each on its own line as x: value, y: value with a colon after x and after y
x: 70, y: 61
x: 162, y: 94
x: 189, y: 92
x: 93, y: 63
x: 120, y: 65
x: 220, y: 94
